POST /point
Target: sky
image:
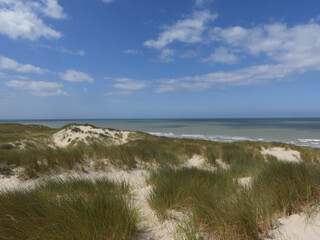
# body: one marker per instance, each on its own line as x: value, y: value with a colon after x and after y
x: 87, y: 59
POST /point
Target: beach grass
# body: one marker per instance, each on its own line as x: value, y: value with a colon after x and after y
x: 214, y: 200
x: 74, y: 209
x: 223, y: 209
x: 288, y: 187
x: 11, y: 132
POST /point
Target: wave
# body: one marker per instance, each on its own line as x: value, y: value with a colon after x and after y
x: 315, y: 143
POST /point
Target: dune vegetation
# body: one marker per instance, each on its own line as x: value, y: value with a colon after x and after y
x: 72, y: 209
x: 224, y: 209
x: 215, y: 201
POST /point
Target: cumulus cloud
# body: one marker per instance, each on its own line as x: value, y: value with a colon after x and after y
x: 126, y: 86
x: 188, y: 30
x: 19, y: 18
x: 50, y: 8
x: 38, y: 88
x: 72, y: 75
x: 287, y: 51
x: 10, y: 64
x: 297, y: 47
x: 129, y: 84
x: 222, y: 55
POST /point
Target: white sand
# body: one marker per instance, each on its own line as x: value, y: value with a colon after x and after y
x: 245, y: 181
x: 64, y: 137
x: 282, y: 154
x: 222, y: 164
x: 297, y: 226
x: 196, y: 161
x: 125, y: 136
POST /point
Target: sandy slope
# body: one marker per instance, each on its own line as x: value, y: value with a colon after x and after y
x: 283, y: 154
x: 66, y: 136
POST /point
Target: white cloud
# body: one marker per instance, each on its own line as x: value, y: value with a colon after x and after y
x: 38, y: 88
x: 259, y: 74
x: 51, y: 8
x: 290, y: 50
x: 22, y: 77
x: 23, y: 19
x: 132, y: 52
x: 120, y: 92
x: 72, y: 75
x: 77, y: 53
x: 126, y: 86
x: 63, y: 50
x: 200, y: 3
x: 297, y: 47
x: 166, y: 55
x: 10, y: 64
x: 222, y: 55
x: 188, y: 30
x: 129, y: 84
x: 189, y: 54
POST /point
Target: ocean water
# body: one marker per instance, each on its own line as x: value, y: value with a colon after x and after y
x: 302, y: 131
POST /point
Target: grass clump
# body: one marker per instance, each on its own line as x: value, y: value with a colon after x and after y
x: 289, y: 187
x: 11, y: 132
x: 76, y: 209
x: 179, y: 188
x: 212, y: 153
x: 242, y: 158
x: 36, y: 161
x: 218, y: 206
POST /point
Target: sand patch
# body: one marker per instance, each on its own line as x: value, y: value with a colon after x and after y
x: 222, y: 164
x: 196, y: 161
x: 125, y: 135
x: 297, y: 226
x: 283, y: 154
x: 245, y: 181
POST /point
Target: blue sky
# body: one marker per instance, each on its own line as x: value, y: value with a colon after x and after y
x: 159, y: 58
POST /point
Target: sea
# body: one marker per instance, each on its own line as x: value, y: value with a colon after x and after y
x: 298, y: 131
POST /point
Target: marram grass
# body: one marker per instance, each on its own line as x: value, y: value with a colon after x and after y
x: 76, y: 209
x: 222, y: 209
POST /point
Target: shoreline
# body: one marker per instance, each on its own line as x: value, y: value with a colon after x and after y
x: 297, y: 131
x: 313, y: 143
